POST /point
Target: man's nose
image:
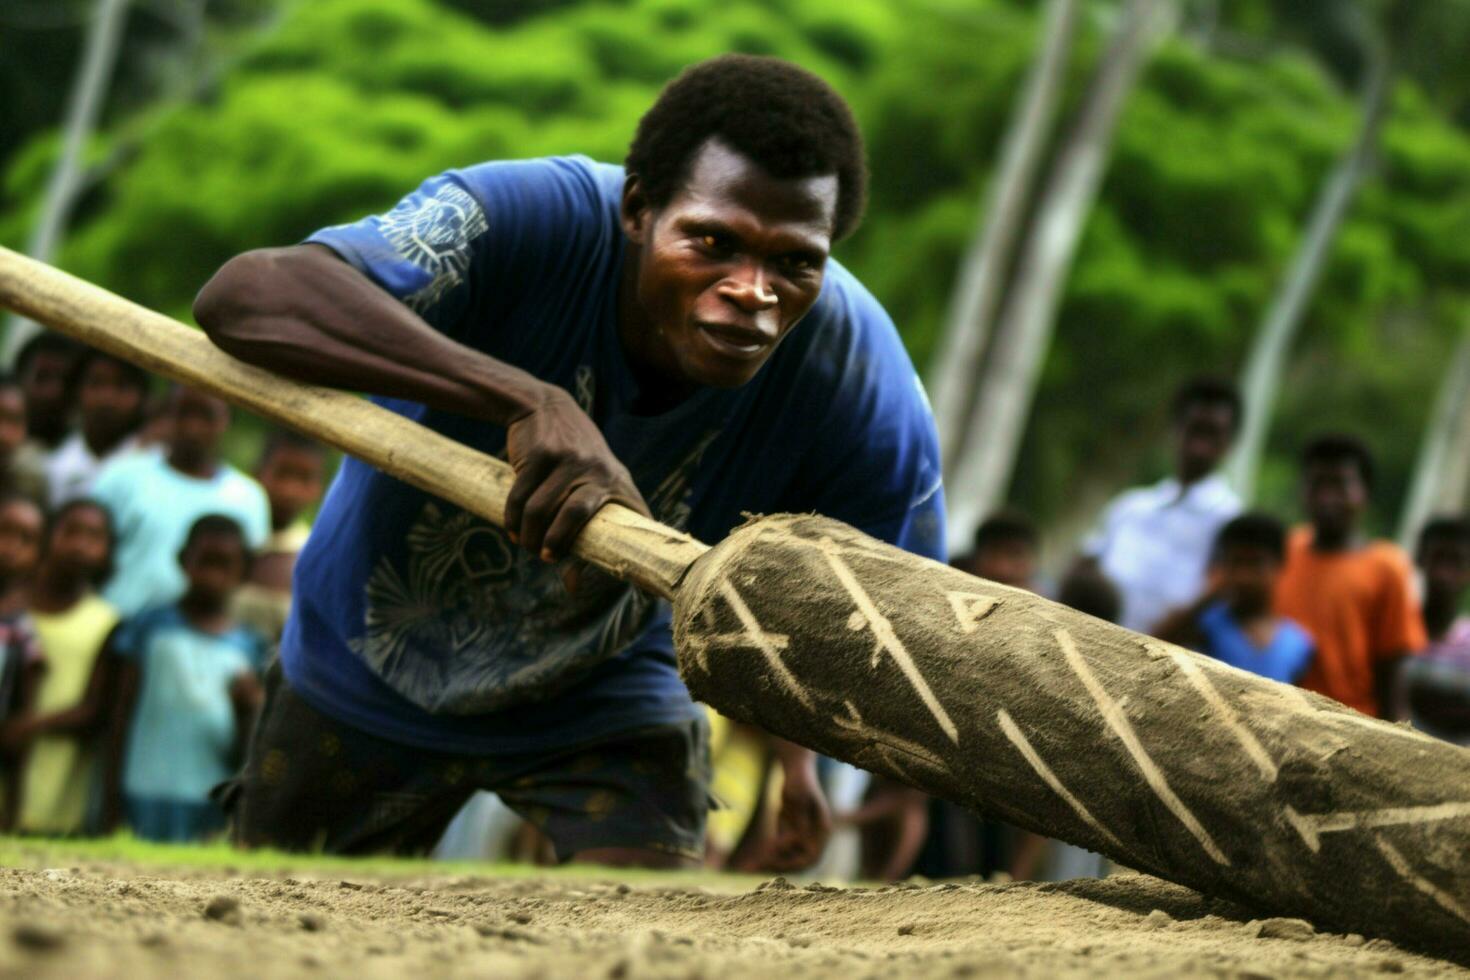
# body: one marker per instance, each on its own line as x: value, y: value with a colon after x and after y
x: 749, y: 288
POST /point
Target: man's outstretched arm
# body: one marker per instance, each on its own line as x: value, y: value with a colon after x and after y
x: 304, y: 313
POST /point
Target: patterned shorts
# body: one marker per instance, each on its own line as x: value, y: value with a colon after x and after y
x: 312, y: 783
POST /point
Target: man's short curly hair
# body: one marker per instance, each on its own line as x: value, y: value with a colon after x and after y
x: 782, y: 117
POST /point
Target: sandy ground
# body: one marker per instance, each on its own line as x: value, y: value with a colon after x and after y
x: 112, y: 919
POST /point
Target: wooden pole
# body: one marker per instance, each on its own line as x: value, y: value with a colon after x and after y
x: 618, y: 540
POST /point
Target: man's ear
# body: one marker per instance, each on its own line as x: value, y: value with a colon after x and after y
x: 635, y: 214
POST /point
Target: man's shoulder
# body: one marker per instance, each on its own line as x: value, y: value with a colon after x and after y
x: 1389, y: 558
x: 848, y: 346
x: 573, y: 182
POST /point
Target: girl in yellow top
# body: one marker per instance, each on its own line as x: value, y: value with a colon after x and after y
x: 73, y: 624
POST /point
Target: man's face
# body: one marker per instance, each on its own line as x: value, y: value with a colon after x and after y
x: 1446, y: 565
x: 1247, y: 575
x: 12, y: 421
x: 214, y: 564
x: 197, y: 421
x: 1007, y: 562
x: 44, y: 381
x: 110, y: 400
x: 730, y: 264
x: 80, y: 541
x: 292, y: 479
x: 20, y: 538
x: 1202, y: 434
x: 1335, y: 496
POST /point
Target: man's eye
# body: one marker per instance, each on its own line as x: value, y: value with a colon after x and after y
x: 798, y: 264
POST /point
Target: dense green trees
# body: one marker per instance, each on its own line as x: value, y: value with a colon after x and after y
x: 337, y: 107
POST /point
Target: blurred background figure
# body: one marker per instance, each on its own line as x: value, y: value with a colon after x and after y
x: 291, y: 470
x: 188, y: 690
x: 1235, y: 621
x: 46, y: 367
x: 21, y: 658
x: 22, y: 462
x: 1153, y: 542
x: 1355, y: 596
x: 1435, y: 688
x: 61, y: 786
x: 156, y: 497
x: 111, y: 399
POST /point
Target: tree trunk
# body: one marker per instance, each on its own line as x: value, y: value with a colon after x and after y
x: 982, y: 273
x: 89, y: 92
x: 1007, y: 385
x: 1020, y: 708
x: 1442, y: 472
x: 1267, y: 359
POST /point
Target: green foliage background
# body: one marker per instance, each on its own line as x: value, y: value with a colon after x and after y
x: 318, y: 112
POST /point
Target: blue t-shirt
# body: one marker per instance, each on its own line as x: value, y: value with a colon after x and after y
x: 422, y: 623
x: 1286, y: 658
x: 183, y: 725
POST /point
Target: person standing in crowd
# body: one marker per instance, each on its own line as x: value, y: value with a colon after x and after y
x: 22, y: 462
x: 1436, y: 686
x: 188, y: 688
x: 1153, y: 542
x: 46, y: 366
x: 1354, y: 596
x: 155, y: 498
x: 73, y: 624
x: 1235, y: 622
x: 111, y: 397
x: 21, y: 663
x: 291, y: 470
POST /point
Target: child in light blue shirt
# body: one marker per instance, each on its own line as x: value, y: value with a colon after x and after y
x: 155, y: 496
x: 190, y: 690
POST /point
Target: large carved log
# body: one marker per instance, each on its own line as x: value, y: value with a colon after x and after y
x: 1018, y: 707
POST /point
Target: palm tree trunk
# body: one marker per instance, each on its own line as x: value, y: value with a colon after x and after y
x: 1007, y: 386
x: 89, y: 92
x: 1441, y: 477
x: 981, y: 277
x: 1267, y: 359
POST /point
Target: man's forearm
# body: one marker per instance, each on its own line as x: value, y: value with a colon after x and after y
x: 304, y: 313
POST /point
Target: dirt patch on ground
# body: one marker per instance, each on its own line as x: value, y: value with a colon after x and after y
x: 112, y: 920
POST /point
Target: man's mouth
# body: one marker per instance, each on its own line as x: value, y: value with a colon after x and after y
x: 737, y: 342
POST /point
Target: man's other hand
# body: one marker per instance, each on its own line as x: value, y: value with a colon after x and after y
x: 564, y: 471
x: 805, y: 822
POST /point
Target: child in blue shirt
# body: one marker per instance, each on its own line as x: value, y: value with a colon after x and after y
x: 1235, y: 621
x: 189, y: 690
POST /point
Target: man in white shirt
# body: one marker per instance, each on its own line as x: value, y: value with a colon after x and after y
x: 1153, y: 542
x: 111, y: 399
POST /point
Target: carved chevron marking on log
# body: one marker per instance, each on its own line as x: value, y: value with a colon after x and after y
x: 1313, y: 825
x: 1118, y: 722
x: 1374, y: 724
x: 885, y: 638
x: 769, y: 644
x: 884, y: 742
x: 1400, y: 864
x: 1222, y: 708
x: 1028, y: 752
x: 969, y: 608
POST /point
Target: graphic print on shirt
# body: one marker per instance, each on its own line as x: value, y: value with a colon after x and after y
x: 472, y: 623
x: 434, y: 234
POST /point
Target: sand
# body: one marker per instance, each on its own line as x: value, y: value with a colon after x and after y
x: 112, y: 919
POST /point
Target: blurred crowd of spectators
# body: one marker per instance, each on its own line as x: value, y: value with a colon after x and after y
x: 144, y: 582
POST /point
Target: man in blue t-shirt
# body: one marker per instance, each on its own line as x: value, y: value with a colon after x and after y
x: 671, y: 335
